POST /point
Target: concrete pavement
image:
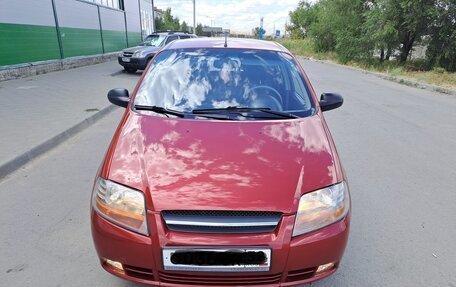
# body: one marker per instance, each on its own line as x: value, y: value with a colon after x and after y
x: 45, y: 235
x: 39, y: 108
x: 397, y: 144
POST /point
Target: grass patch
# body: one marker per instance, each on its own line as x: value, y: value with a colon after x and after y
x: 305, y: 47
x: 92, y: 110
x: 414, y: 70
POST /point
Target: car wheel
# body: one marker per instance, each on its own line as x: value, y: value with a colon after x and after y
x: 130, y: 70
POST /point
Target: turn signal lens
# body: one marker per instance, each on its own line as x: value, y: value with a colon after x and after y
x: 325, y: 267
x: 115, y: 264
x: 120, y: 205
x: 321, y: 208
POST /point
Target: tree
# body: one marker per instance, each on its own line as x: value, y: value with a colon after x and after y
x: 441, y: 50
x: 256, y: 32
x: 380, y: 29
x: 159, y: 25
x: 168, y: 22
x: 355, y: 29
x: 302, y: 19
x: 184, y: 27
x: 200, y: 32
x: 412, y: 20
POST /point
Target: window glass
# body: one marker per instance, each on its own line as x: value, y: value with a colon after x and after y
x: 188, y: 79
x: 117, y: 4
x: 170, y: 39
x: 154, y: 40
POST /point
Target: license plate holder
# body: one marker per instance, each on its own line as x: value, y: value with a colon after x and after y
x: 127, y: 60
x: 235, y: 259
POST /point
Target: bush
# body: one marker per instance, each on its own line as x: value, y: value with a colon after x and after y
x: 439, y: 70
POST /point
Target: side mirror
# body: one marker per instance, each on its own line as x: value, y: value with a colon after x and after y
x: 330, y: 101
x: 119, y: 97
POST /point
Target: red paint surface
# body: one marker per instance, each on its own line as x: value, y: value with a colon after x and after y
x: 183, y: 164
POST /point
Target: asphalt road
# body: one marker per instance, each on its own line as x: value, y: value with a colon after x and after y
x: 398, y: 147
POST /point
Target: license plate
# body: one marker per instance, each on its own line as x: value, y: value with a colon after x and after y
x: 125, y: 59
x: 217, y: 260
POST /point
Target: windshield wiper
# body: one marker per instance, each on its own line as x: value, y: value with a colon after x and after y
x: 160, y: 110
x: 233, y: 109
x: 166, y: 111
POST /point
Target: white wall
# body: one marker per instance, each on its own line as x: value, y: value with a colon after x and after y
x: 132, y: 10
x: 112, y: 19
x: 76, y: 14
x: 33, y: 12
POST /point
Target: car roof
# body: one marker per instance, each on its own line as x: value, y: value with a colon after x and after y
x: 233, y: 43
x: 172, y: 33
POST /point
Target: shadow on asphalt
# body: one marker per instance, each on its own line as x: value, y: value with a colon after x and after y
x: 123, y: 72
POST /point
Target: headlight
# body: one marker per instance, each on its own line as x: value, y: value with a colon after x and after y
x: 120, y: 205
x: 138, y: 54
x: 321, y: 208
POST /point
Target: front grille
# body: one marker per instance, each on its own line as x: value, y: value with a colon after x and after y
x: 127, y: 54
x: 202, y: 280
x: 214, y: 221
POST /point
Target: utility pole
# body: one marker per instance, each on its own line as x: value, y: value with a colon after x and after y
x: 261, y: 29
x: 154, y: 29
x: 194, y: 18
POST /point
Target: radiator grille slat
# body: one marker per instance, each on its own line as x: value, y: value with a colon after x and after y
x: 214, y: 280
x: 211, y: 221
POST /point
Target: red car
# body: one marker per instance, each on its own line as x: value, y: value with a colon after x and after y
x: 222, y: 172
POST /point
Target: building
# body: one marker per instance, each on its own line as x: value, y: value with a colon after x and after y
x: 40, y: 30
x: 158, y: 13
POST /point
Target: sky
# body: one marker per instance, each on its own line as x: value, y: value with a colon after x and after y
x: 237, y: 15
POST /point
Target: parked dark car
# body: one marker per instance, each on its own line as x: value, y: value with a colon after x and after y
x: 137, y: 58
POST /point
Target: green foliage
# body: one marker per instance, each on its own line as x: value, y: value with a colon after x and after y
x: 199, y: 29
x: 442, y: 46
x: 167, y: 22
x: 359, y: 29
x: 256, y: 32
x: 200, y: 32
x: 184, y: 27
x: 302, y: 19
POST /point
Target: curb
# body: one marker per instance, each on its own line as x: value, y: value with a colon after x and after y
x: 37, y: 68
x: 21, y: 160
x: 399, y: 80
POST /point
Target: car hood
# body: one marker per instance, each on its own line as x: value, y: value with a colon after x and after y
x: 149, y: 49
x: 222, y: 165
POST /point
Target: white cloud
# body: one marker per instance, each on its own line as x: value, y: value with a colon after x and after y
x: 240, y: 16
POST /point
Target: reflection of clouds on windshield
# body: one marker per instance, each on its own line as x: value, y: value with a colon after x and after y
x: 224, y: 104
x: 175, y: 84
x: 230, y: 71
x: 190, y: 79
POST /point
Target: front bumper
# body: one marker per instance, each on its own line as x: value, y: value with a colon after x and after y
x: 294, y: 260
x: 135, y: 63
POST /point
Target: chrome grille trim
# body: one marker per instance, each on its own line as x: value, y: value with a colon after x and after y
x: 221, y: 221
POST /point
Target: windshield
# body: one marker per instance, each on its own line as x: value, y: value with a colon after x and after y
x: 153, y: 40
x: 192, y: 79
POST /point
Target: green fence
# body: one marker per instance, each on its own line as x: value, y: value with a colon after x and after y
x: 21, y: 43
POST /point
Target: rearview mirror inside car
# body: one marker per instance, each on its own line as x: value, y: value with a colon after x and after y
x: 330, y: 101
x: 119, y: 97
